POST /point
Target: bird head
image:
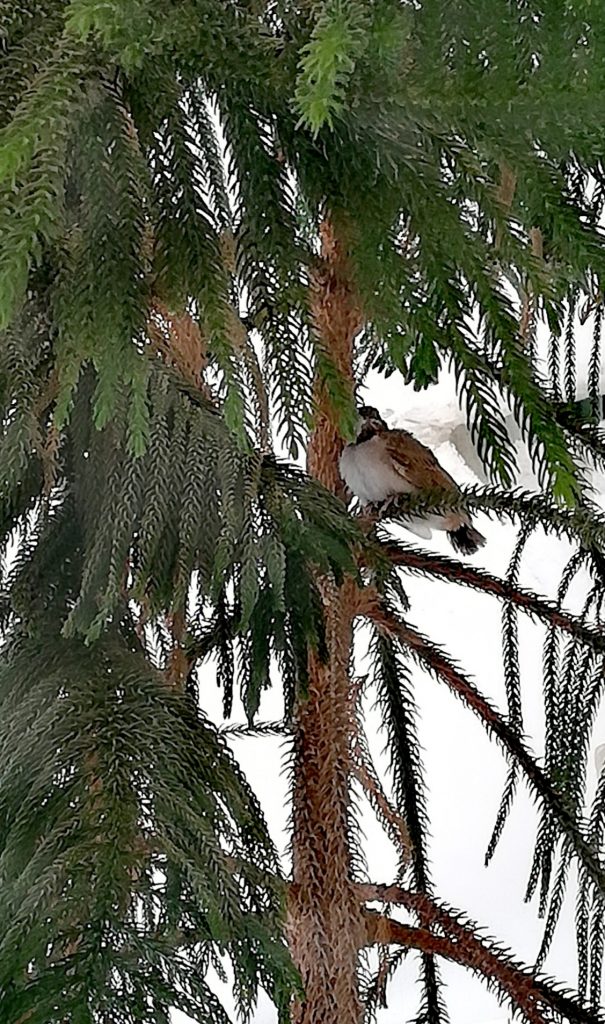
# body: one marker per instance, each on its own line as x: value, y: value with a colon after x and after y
x: 369, y: 422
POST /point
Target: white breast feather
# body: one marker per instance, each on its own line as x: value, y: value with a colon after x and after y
x: 367, y: 475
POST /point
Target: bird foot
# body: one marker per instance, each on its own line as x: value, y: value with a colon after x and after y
x: 377, y: 509
x: 386, y: 507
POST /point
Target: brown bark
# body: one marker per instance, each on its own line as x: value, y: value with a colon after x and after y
x: 180, y: 342
x: 467, y: 950
x: 337, y: 318
x: 179, y: 664
x: 326, y: 918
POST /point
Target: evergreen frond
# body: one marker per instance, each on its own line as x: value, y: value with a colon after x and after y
x: 396, y: 700
x: 594, y: 368
x: 441, y: 929
x: 403, y: 555
x: 437, y: 663
x: 512, y: 681
x: 154, y: 847
x: 583, y: 523
x: 327, y: 61
x: 483, y: 414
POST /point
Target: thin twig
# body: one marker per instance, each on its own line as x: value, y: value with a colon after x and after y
x: 397, y: 827
x: 366, y: 774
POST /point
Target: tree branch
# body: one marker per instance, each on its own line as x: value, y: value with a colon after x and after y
x: 581, y: 523
x: 179, y: 340
x: 454, y: 571
x: 393, y: 822
x: 365, y: 773
x: 462, y: 945
x: 432, y: 658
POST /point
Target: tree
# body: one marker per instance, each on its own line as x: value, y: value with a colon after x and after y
x: 215, y: 219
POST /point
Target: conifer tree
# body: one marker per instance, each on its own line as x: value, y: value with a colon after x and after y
x: 216, y: 217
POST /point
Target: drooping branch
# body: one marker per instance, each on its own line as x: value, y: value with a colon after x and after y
x: 458, y: 940
x: 399, y: 712
x: 433, y: 659
x: 454, y: 571
x: 393, y: 822
x: 512, y: 682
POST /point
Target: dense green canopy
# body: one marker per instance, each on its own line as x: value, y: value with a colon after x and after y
x: 164, y: 171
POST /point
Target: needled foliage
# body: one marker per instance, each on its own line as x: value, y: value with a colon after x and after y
x: 133, y: 852
x: 134, y: 856
x: 165, y: 172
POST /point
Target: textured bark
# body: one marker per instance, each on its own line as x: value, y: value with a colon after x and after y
x: 469, y: 952
x: 337, y: 318
x: 448, y: 935
x: 326, y: 917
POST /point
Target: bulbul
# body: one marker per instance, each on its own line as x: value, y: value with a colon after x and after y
x: 383, y: 463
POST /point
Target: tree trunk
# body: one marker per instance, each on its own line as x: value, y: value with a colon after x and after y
x: 326, y: 925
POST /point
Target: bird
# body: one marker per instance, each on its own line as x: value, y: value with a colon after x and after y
x: 382, y: 463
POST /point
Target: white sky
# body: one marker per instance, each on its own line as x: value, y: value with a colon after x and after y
x: 465, y: 771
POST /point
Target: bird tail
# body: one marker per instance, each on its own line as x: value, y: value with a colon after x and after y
x: 466, y: 539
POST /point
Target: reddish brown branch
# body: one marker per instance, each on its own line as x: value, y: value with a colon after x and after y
x: 458, y: 572
x: 433, y: 659
x: 179, y: 340
x: 337, y: 317
x: 460, y: 943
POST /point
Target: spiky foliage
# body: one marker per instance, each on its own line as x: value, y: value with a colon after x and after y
x: 170, y: 176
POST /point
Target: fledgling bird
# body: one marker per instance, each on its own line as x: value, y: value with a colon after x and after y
x: 383, y: 463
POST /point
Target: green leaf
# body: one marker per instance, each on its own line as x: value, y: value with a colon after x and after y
x: 328, y: 61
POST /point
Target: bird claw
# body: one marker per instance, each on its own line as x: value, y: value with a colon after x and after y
x: 380, y: 508
x: 386, y: 507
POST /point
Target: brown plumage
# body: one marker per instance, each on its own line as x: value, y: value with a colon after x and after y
x: 383, y: 463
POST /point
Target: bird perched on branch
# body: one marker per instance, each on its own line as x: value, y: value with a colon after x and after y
x: 383, y: 463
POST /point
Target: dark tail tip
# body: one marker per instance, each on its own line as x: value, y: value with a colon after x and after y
x: 466, y: 539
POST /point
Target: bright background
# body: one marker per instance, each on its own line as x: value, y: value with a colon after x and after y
x: 465, y: 771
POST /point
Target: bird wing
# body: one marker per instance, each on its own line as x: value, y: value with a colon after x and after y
x: 415, y: 462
